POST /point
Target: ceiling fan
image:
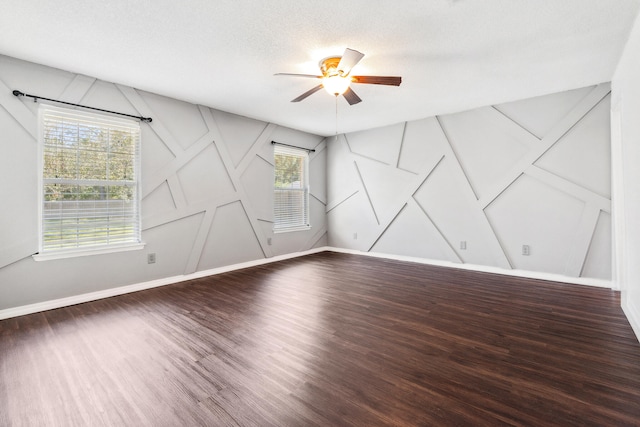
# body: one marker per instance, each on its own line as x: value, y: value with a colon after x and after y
x: 336, y: 77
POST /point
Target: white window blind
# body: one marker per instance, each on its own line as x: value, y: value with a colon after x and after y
x: 90, y: 180
x: 291, y: 189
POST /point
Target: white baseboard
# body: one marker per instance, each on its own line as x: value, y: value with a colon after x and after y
x: 633, y: 314
x: 121, y: 290
x: 92, y: 296
x: 487, y: 269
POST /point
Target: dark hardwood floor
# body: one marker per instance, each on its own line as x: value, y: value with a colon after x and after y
x: 328, y: 340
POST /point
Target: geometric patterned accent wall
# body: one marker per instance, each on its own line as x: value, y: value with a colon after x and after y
x: 476, y: 186
x: 207, y: 187
x: 219, y: 177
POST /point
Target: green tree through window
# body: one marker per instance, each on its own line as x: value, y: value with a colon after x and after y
x: 291, y: 189
x: 90, y: 182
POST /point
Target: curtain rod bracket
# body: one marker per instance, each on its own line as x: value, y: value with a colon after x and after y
x: 310, y: 150
x: 35, y: 99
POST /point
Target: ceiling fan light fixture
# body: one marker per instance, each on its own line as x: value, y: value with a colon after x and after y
x: 336, y: 77
x: 336, y: 84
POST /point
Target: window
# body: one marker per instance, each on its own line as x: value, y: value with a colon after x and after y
x: 90, y: 186
x: 291, y: 189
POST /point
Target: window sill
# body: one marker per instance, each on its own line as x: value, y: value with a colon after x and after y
x: 288, y: 229
x: 74, y: 253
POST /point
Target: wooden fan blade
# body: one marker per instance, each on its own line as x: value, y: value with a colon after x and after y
x: 351, y: 97
x: 377, y: 80
x: 307, y: 93
x: 349, y: 59
x: 313, y: 76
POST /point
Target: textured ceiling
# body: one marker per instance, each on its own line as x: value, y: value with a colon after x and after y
x: 453, y: 55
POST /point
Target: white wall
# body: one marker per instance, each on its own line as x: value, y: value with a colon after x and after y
x: 534, y: 172
x: 626, y: 158
x: 206, y: 182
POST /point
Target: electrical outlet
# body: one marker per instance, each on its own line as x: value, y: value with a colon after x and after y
x: 526, y: 250
x: 151, y: 258
x: 269, y: 241
x: 355, y: 236
x: 463, y: 245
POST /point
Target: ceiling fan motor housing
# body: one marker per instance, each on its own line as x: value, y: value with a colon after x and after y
x: 329, y: 66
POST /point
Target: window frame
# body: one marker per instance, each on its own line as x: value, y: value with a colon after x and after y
x: 305, y: 223
x: 136, y: 222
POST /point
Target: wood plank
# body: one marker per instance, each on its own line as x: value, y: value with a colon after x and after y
x: 328, y: 339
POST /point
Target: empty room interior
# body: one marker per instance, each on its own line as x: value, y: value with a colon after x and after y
x: 243, y: 213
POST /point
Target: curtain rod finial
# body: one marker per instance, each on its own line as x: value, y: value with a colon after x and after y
x: 17, y: 93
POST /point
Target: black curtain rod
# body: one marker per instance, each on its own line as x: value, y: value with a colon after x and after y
x: 35, y: 99
x: 310, y: 150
